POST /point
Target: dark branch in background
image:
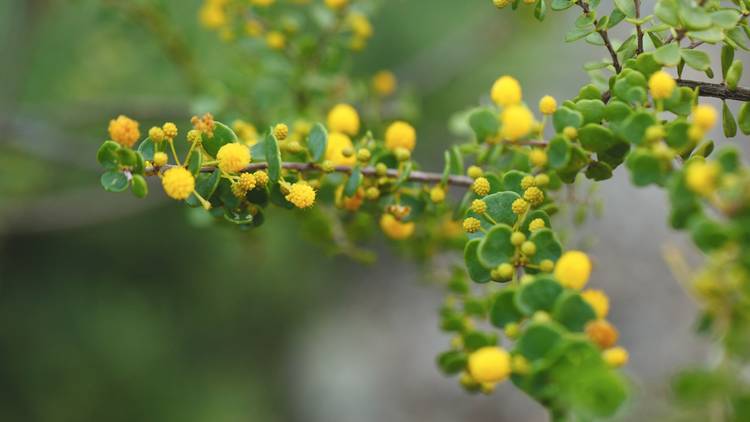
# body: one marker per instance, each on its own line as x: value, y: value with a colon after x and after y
x: 605, y: 37
x: 414, y: 176
x: 708, y: 89
x: 638, y: 30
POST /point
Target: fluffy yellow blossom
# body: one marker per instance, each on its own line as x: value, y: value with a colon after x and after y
x: 519, y: 206
x: 275, y: 40
x: 573, y: 269
x: 616, y: 357
x: 570, y: 132
x: 343, y: 118
x: 261, y: 178
x: 396, y: 229
x: 506, y: 91
x: 704, y: 116
x: 472, y: 225
x: 489, y: 364
x: 533, y: 195
x: 517, y: 122
x: 360, y: 26
x: 481, y: 186
x: 124, y: 131
x: 602, y: 333
x: 437, y: 194
x: 253, y: 28
x: 281, y: 131
x: 541, y: 179
x: 478, y: 206
x: 598, y: 300
x: 527, y: 182
x: 474, y: 172
x: 336, y: 4
x: 500, y: 4
x: 262, y: 3
x: 701, y: 177
x: 212, y: 15
x: 538, y: 157
x: 178, y: 183
x: 204, y: 124
x: 233, y: 157
x: 384, y: 83
x: 301, y: 195
x: 547, y: 105
x: 536, y: 224
x: 337, y: 144
x: 247, y: 181
x: 661, y: 85
x: 247, y: 133
x: 170, y: 130
x: 156, y: 134
x: 160, y: 159
x: 400, y: 135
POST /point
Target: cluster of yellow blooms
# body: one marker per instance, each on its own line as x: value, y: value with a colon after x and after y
x: 516, y: 120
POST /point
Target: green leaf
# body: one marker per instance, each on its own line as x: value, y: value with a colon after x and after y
x: 476, y: 270
x: 540, y: 11
x: 727, y: 119
x: 352, y: 184
x: 592, y: 110
x: 725, y: 18
x: 668, y: 54
x: 565, y: 117
x: 222, y: 135
x: 696, y: 59
x: 572, y: 311
x: 645, y: 168
x: 127, y: 157
x: 476, y: 340
x: 196, y: 162
x: 710, y: 35
x: 558, y: 152
x: 496, y: 248
x: 596, y: 138
x: 743, y: 117
x: 512, y: 181
x: 273, y: 157
x: 107, y: 155
x: 666, y: 11
x: 485, y: 124
x: 627, y: 7
x: 548, y: 247
x: 708, y: 234
x: 734, y: 74
x: 205, y: 185
x: 503, y: 310
x: 452, y: 361
x: 598, y: 171
x: 498, y: 208
x: 634, y: 128
x: 561, y: 4
x: 727, y: 56
x: 538, y: 341
x: 139, y: 187
x: 578, y: 33
x: 677, y: 135
x: 694, y: 18
x: 539, y: 295
x: 147, y: 148
x: 317, y: 142
x: 114, y: 181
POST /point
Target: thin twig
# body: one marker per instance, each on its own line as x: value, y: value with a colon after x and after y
x: 708, y: 89
x: 414, y: 176
x: 638, y: 30
x: 605, y: 37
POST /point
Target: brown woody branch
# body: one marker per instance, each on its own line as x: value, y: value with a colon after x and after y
x: 708, y: 89
x: 414, y: 176
x: 605, y: 37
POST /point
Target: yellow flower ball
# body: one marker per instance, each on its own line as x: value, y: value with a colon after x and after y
x: 573, y: 269
x: 336, y: 4
x: 481, y: 186
x: 547, y: 105
x: 343, y: 118
x: 489, y: 364
x: 360, y: 26
x: 160, y: 159
x: 261, y: 178
x: 275, y: 40
x: 301, y: 195
x: 536, y: 224
x: 661, y: 84
x: 533, y: 195
x: 247, y: 133
x: 233, y: 157
x: 178, y: 183
x: 396, y: 229
x: 281, y: 131
x: 506, y: 91
x: 337, y: 144
x: 598, y: 300
x: 517, y: 122
x: 156, y: 134
x: 437, y: 194
x: 472, y: 225
x: 478, y: 206
x: 500, y: 4
x: 262, y: 3
x: 212, y: 15
x: 701, y: 177
x: 704, y: 116
x: 384, y: 83
x: 124, y: 131
x: 616, y: 357
x: 400, y: 135
x: 519, y: 206
x: 247, y: 181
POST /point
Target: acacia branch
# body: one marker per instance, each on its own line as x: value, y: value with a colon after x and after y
x: 638, y: 29
x: 605, y: 37
x: 414, y: 176
x: 708, y: 89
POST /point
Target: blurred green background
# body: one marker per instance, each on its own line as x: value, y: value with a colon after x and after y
x: 117, y: 309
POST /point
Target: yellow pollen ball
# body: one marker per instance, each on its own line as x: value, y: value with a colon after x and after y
x: 261, y: 178
x: 701, y: 177
x: 437, y: 194
x: 400, y: 135
x: 124, y: 131
x: 160, y: 159
x: 178, y: 183
x: 275, y: 40
x: 384, y: 83
x: 472, y: 225
x: 598, y: 300
x: 704, y: 117
x: 602, y: 333
x: 489, y: 364
x: 506, y: 91
x: 517, y: 122
x: 481, y: 186
x: 281, y: 131
x: 661, y: 84
x: 519, y: 206
x: 616, y: 357
x: 233, y: 157
x: 247, y: 181
x: 361, y: 27
x: 536, y: 224
x: 343, y: 118
x: 170, y: 130
x: 301, y: 195
x: 533, y: 195
x: 548, y: 104
x: 337, y: 144
x: 156, y: 134
x: 573, y: 269
x: 395, y: 229
x: 336, y: 4
x: 538, y: 157
x: 478, y: 206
